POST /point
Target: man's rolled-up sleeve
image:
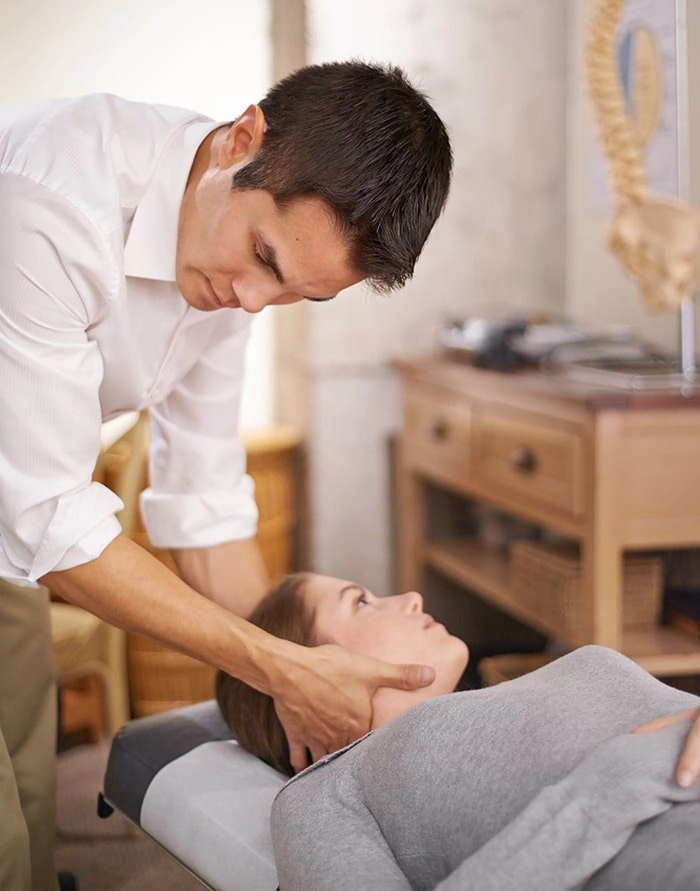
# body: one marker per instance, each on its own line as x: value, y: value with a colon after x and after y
x: 52, y: 516
x: 199, y: 493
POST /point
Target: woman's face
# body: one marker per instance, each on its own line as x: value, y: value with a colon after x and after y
x: 394, y: 629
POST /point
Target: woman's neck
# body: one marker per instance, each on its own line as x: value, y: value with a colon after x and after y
x: 388, y: 703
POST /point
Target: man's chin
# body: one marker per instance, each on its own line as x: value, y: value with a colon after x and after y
x: 198, y: 301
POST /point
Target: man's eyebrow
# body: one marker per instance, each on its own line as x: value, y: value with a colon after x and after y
x: 269, y: 255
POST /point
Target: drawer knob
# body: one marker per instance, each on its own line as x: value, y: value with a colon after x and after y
x: 523, y: 460
x: 439, y: 430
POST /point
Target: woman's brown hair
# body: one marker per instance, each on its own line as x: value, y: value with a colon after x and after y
x: 249, y: 713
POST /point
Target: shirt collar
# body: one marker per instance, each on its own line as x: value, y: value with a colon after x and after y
x: 151, y: 245
x: 324, y: 760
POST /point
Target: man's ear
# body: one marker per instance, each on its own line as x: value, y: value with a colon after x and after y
x: 244, y: 138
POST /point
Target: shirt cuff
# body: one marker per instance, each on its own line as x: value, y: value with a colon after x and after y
x: 91, y: 545
x: 200, y: 521
x: 80, y: 527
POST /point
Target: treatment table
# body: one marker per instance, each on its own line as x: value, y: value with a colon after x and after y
x: 181, y: 778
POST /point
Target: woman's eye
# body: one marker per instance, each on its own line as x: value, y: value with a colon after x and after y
x: 362, y: 600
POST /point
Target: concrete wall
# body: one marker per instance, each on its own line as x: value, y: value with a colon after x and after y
x: 597, y: 289
x: 522, y: 228
x: 496, y: 72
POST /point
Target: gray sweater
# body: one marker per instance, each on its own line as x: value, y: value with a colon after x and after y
x: 532, y: 784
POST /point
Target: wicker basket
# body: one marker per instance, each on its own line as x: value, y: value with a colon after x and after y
x: 546, y: 578
x: 272, y: 462
x: 162, y: 679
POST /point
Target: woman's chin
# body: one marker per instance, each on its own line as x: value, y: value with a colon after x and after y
x: 388, y: 702
x: 457, y: 660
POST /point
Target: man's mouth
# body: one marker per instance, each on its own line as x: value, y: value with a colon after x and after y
x: 232, y: 303
x: 211, y: 293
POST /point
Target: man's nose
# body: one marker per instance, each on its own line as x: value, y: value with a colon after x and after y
x: 254, y: 295
x: 253, y: 300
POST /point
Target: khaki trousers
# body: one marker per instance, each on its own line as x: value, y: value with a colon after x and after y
x: 27, y: 741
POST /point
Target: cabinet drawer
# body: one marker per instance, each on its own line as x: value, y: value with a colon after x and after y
x: 439, y: 424
x: 530, y: 460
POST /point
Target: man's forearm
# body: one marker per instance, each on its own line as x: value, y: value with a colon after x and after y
x: 232, y: 574
x: 322, y: 694
x: 130, y: 588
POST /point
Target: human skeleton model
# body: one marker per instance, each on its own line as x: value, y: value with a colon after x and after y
x: 656, y: 238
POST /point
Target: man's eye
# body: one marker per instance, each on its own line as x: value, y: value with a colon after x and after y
x: 362, y: 600
x: 259, y: 257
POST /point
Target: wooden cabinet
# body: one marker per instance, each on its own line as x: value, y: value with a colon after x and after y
x: 530, y: 459
x: 615, y: 470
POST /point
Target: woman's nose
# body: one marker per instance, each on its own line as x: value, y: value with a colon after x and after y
x: 412, y: 602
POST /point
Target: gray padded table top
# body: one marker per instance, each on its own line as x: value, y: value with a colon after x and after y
x: 183, y: 779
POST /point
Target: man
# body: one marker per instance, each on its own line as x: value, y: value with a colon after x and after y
x: 137, y: 241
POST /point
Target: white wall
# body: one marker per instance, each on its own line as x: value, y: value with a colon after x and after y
x: 212, y: 55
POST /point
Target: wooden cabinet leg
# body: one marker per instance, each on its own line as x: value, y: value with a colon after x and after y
x: 602, y: 552
x: 410, y: 500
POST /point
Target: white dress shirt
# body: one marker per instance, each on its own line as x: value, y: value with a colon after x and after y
x: 92, y: 325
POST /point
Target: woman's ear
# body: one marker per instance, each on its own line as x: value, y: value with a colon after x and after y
x: 244, y: 138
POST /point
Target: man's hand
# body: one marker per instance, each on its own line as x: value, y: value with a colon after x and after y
x: 688, y: 767
x: 324, y: 700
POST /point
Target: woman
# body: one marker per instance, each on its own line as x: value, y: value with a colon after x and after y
x: 536, y: 783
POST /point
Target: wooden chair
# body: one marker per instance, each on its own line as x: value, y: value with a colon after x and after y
x: 86, y: 647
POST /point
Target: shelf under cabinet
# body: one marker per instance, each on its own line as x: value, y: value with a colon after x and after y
x: 661, y: 651
x: 485, y: 571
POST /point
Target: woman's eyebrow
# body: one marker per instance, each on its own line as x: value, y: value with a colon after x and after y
x: 347, y: 588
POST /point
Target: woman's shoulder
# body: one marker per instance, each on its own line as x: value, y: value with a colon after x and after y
x: 592, y: 662
x: 329, y: 782
x: 591, y: 657
x: 587, y: 670
x: 313, y: 771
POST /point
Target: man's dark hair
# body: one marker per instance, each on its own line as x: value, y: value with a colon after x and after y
x: 363, y: 139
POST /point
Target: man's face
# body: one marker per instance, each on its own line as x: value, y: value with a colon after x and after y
x: 237, y: 248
